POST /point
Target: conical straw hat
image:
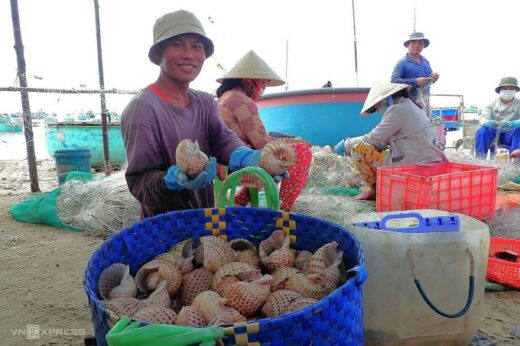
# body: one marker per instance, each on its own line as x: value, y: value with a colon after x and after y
x: 252, y: 66
x: 379, y: 92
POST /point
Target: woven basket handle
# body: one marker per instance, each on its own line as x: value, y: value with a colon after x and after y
x: 231, y: 181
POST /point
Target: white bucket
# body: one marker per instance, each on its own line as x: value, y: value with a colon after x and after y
x: 395, y: 313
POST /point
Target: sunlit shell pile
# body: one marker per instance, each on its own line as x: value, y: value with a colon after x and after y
x: 278, y: 156
x: 189, y: 158
x: 211, y: 281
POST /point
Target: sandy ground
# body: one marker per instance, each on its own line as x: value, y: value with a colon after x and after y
x: 41, y: 269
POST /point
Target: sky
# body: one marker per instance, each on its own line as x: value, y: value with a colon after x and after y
x: 473, y: 44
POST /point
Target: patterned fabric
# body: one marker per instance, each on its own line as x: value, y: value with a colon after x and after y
x: 367, y: 158
x: 240, y: 114
x: 290, y: 188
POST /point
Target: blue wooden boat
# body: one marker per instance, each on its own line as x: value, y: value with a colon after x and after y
x: 65, y: 135
x: 321, y: 116
x: 10, y: 124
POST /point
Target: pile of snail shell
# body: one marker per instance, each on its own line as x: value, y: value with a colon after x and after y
x: 209, y: 281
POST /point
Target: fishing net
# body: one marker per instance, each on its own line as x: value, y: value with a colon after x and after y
x: 100, y: 206
x: 104, y: 205
x: 333, y: 172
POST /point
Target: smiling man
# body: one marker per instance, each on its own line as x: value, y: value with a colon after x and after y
x: 415, y: 70
x: 168, y: 111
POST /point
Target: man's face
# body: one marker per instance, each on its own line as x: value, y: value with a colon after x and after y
x: 183, y: 57
x: 508, y: 88
x: 415, y: 47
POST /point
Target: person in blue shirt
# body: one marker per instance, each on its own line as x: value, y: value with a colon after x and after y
x: 414, y: 69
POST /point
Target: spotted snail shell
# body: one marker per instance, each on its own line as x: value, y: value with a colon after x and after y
x: 278, y: 302
x: 310, y: 286
x: 248, y: 297
x: 110, y: 277
x: 185, y: 265
x: 300, y: 303
x: 189, y: 158
x: 280, y: 276
x: 244, y: 271
x: 183, y: 249
x: 194, y: 283
x: 301, y: 259
x: 213, y: 253
x: 326, y: 261
x: 151, y: 273
x: 190, y: 316
x: 246, y: 251
x: 156, y: 314
x: 214, y: 310
x: 273, y: 242
x: 124, y: 306
x: 126, y: 288
x: 283, y: 257
x: 159, y: 297
x: 278, y: 156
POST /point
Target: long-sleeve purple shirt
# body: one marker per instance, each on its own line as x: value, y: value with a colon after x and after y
x: 152, y: 128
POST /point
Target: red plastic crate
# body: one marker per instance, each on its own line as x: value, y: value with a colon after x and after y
x: 502, y: 271
x: 455, y: 187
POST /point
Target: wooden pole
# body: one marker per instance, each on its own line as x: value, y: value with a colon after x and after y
x: 355, y: 43
x: 27, y: 121
x: 102, y: 94
x: 286, y: 65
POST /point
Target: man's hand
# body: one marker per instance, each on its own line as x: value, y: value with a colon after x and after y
x: 434, y: 76
x: 422, y: 81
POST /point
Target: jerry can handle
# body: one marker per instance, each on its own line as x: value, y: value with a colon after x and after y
x: 419, y: 228
x: 427, y: 299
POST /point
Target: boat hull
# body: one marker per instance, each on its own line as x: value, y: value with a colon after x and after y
x: 320, y: 116
x: 60, y: 136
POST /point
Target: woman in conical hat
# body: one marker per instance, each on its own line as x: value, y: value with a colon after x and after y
x: 405, y: 136
x: 239, y: 88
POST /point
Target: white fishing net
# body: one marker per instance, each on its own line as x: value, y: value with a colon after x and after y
x: 100, y: 207
x: 330, y: 170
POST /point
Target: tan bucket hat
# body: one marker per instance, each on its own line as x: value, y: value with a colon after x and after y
x: 174, y: 24
x: 507, y: 81
x: 379, y: 92
x: 252, y: 66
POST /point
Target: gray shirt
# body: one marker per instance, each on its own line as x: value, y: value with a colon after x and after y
x: 408, y: 134
x: 152, y: 128
x: 498, y: 111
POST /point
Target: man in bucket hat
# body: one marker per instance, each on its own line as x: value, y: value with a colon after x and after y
x: 413, y: 69
x: 403, y: 137
x: 168, y: 111
x: 500, y: 120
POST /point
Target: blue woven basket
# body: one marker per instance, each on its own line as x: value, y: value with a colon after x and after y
x: 336, y: 319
